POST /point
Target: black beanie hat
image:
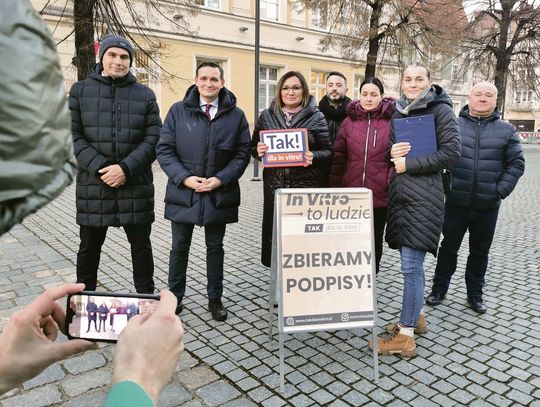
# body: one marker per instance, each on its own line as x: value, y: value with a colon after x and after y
x: 115, y: 41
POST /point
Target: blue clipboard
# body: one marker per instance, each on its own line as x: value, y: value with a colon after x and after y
x: 419, y: 131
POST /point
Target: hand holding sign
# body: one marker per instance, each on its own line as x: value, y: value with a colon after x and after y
x: 309, y: 158
x: 261, y: 149
x: 284, y: 148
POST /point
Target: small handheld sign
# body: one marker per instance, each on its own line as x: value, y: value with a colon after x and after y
x: 286, y: 147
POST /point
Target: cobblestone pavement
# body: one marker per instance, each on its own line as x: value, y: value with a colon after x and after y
x: 464, y: 359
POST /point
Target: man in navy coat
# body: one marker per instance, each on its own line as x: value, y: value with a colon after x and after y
x: 490, y: 166
x: 204, y: 149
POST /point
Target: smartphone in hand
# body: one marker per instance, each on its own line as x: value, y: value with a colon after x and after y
x: 101, y: 316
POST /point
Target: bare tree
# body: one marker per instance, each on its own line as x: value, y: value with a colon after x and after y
x: 131, y: 19
x: 504, y: 43
x: 382, y: 27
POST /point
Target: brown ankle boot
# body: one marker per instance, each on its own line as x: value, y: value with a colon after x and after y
x: 395, y: 343
x: 421, y: 326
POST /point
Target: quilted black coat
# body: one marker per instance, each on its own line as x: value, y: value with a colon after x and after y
x: 416, y: 197
x: 491, y: 162
x: 190, y: 144
x: 114, y: 122
x: 313, y: 176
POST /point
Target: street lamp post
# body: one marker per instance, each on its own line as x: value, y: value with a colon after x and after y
x: 257, y: 63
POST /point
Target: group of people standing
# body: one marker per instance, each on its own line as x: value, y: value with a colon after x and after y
x: 204, y: 147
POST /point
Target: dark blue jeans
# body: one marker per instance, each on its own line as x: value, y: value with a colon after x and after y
x: 92, y: 239
x: 179, y: 257
x: 481, y: 227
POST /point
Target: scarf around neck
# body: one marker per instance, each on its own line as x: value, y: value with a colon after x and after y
x: 289, y: 114
x: 404, y: 105
x: 336, y: 114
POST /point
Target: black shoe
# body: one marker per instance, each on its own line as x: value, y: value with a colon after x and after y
x: 219, y: 312
x: 179, y: 308
x: 435, y: 298
x: 477, y: 305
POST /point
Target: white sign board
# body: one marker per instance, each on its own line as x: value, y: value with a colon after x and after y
x: 325, y: 259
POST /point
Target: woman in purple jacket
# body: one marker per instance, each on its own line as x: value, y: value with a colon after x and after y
x: 361, y: 151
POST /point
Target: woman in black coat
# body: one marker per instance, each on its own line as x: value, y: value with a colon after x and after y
x: 416, y: 199
x: 294, y: 107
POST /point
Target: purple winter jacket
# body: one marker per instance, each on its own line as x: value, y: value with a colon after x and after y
x: 361, y: 150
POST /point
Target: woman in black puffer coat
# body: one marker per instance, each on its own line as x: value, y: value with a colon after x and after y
x: 294, y: 107
x: 416, y: 199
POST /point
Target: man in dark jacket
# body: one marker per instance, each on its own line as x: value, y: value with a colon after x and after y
x: 204, y: 149
x: 334, y: 104
x: 115, y: 125
x: 490, y: 166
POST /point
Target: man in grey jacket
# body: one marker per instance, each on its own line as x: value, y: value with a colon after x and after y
x: 490, y: 166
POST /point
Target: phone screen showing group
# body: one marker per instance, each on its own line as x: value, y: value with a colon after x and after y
x: 102, y: 316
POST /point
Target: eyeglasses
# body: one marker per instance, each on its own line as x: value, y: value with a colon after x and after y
x: 295, y: 89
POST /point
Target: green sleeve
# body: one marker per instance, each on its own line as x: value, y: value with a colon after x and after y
x: 128, y: 394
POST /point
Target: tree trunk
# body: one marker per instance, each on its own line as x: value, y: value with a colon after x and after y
x: 501, y: 73
x: 84, y: 37
x: 503, y: 55
x: 374, y: 40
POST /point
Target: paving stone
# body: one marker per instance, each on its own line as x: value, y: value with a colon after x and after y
x: 240, y: 403
x: 461, y: 396
x: 217, y: 393
x: 197, y: 377
x: 52, y: 374
x: 38, y: 397
x: 519, y: 397
x: 174, y: 395
x: 302, y: 401
x: 75, y: 385
x: 84, y: 362
x: 92, y: 399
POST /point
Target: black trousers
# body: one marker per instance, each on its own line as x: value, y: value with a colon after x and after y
x: 379, y: 220
x: 179, y: 257
x: 481, y: 226
x: 92, y: 239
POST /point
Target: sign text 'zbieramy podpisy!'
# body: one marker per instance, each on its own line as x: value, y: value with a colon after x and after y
x: 286, y: 148
x: 326, y: 258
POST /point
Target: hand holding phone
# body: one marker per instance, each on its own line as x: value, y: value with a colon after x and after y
x: 27, y: 345
x: 149, y: 348
x: 100, y: 316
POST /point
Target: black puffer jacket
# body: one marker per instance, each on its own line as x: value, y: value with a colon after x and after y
x: 190, y: 144
x: 491, y: 162
x: 416, y: 197
x: 114, y: 122
x: 313, y: 176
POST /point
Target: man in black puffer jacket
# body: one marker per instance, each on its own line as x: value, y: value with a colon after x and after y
x: 115, y: 125
x: 490, y: 166
x: 204, y: 149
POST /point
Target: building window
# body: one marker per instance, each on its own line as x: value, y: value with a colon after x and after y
x: 456, y: 77
x: 318, y: 84
x: 524, y: 96
x: 267, y: 86
x: 213, y: 4
x: 358, y: 79
x: 140, y: 66
x: 270, y: 10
